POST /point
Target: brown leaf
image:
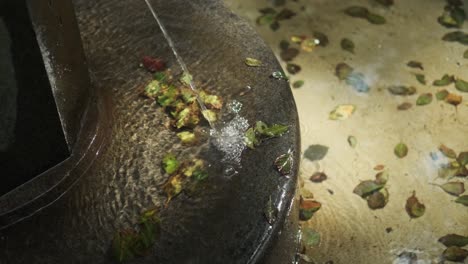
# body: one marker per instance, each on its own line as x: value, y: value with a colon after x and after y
x: 448, y: 152
x: 454, y: 99
x: 378, y: 200
x: 404, y: 106
x: 307, y: 208
x: 379, y: 167
x: 413, y: 207
x: 318, y: 177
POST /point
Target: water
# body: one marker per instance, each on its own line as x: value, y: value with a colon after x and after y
x: 350, y: 231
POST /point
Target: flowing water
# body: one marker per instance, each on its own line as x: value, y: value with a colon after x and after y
x: 350, y: 231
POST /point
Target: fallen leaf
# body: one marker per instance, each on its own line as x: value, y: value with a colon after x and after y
x: 298, y: 84
x: 253, y: 62
x: 401, y: 150
x: 453, y: 99
x: 316, y: 152
x: 297, y: 39
x: 463, y: 158
x: 356, y: 80
x: 321, y: 37
x: 379, y: 167
x: 357, y: 11
x: 378, y: 200
x: 413, y: 207
x: 186, y: 79
x: 289, y: 54
x: 453, y: 188
x: 307, y: 209
x: 318, y: 177
x: 293, y: 68
x: 284, y: 45
x: 424, y: 99
x: 421, y: 78
x: 444, y: 81
x: 352, y: 141
x: 456, y: 36
x: 415, y: 64
x: 375, y: 19
x: 266, y: 19
x: 270, y: 131
x: 382, y: 177
x: 186, y: 137
x: 270, y: 212
x: 285, y: 14
x: 448, y: 152
x: 442, y: 94
x: 452, y: 17
x: 347, y: 45
x: 309, y: 44
x: 152, y: 64
x: 366, y: 188
x: 251, y: 139
x: 454, y: 240
x: 342, y: 112
x: 402, y: 90
x: 404, y: 106
x: 310, y: 237
x: 455, y: 254
x: 284, y: 163
x: 461, y: 85
x: 462, y: 200
x: 170, y: 163
x: 343, y: 70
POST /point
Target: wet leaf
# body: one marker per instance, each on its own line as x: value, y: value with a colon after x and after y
x: 298, y: 84
x: 307, y: 209
x: 316, y: 152
x: 442, y: 94
x: 343, y: 70
x: 173, y: 187
x: 279, y: 75
x: 284, y: 44
x: 347, y: 45
x: 266, y: 19
x: 463, y: 158
x: 382, y: 177
x: 289, y: 54
x: 413, y: 207
x: 448, y: 152
x: 456, y: 36
x: 123, y: 243
x: 379, y: 167
x: 357, y: 11
x: 421, y: 78
x: 285, y: 14
x: 297, y: 39
x: 453, y: 188
x: 152, y: 89
x: 385, y: 2
x: 378, y: 200
x: 168, y: 95
x: 170, y: 163
x: 376, y: 19
x: 322, y: 38
x: 452, y: 17
x: 366, y: 188
x: 270, y: 212
x: 453, y: 99
x: 444, y: 81
x: 318, y: 177
x: 356, y: 80
x: 465, y: 54
x: 310, y: 237
x: 284, y: 163
x: 462, y: 200
x: 193, y: 166
x: 415, y: 64
x: 253, y: 62
x: 455, y: 254
x: 250, y: 139
x: 401, y: 150
x: 404, y: 106
x: 274, y: 130
x: 200, y: 175
x: 454, y: 240
x: 342, y: 112
x: 275, y: 25
x: 186, y: 137
x: 402, y: 90
x: 352, y: 141
x: 152, y: 64
x: 186, y: 79
x: 461, y: 85
x: 424, y: 99
x: 293, y: 68
x: 309, y: 44
x: 210, y: 115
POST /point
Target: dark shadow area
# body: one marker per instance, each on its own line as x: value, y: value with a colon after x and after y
x: 32, y: 137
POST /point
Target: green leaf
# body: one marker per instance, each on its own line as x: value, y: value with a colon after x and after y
x: 186, y: 79
x: 152, y: 89
x: 160, y: 77
x: 293, y: 68
x: 414, y: 208
x: 461, y: 85
x: 274, y: 130
x: 310, y: 237
x: 454, y: 240
x: 462, y: 200
x: 463, y: 158
x: 376, y: 19
x: 401, y: 90
x: 421, y: 78
x: 343, y: 70
x: 200, y: 175
x: 347, y: 45
x: 298, y: 84
x: 453, y: 188
x: 352, y: 141
x: 357, y: 11
x: 456, y: 36
x: 284, y: 163
x: 251, y: 139
x: 448, y: 152
x: 401, y: 150
x: 170, y: 163
x: 415, y: 64
x: 366, y: 188
x: 424, y: 99
x: 442, y: 94
x: 186, y: 137
x: 444, y: 81
x: 316, y: 152
x: 252, y: 62
x: 307, y: 209
x: 455, y: 254
x: 266, y: 19
x: 342, y: 112
x: 211, y: 101
x: 168, y: 96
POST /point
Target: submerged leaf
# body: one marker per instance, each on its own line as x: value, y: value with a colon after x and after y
x: 453, y: 99
x: 463, y: 158
x: 376, y: 19
x: 342, y: 112
x: 366, y: 188
x: 298, y: 84
x: 453, y: 188
x: 356, y: 80
x: 378, y: 200
x: 461, y: 85
x: 274, y: 130
x: 352, y: 141
x: 285, y: 14
x: 318, y: 177
x: 415, y: 64
x: 442, y: 94
x: 343, y: 70
x: 382, y: 177
x: 448, y: 152
x: 421, y: 78
x: 413, y: 207
x: 321, y: 37
x: 404, y: 106
x: 152, y: 89
x: 401, y: 150
x: 424, y: 99
x: 455, y: 254
x: 310, y: 237
x: 253, y: 62
x: 347, y: 45
x: 462, y: 200
x: 444, y: 81
x: 307, y: 208
x: 357, y: 11
x: 456, y: 36
x: 289, y: 54
x: 316, y: 152
x: 293, y: 68
x: 402, y: 90
x: 284, y: 163
x: 170, y: 163
x: 454, y: 240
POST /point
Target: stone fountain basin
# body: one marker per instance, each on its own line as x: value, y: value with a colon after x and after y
x: 72, y: 211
